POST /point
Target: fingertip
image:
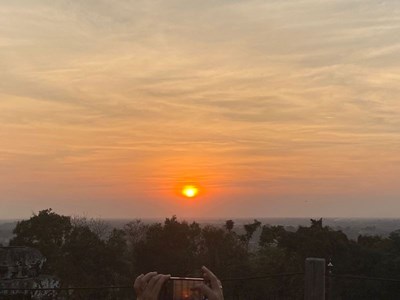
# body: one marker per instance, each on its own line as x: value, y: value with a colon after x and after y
x: 205, y: 269
x: 166, y: 277
x: 148, y: 276
x: 139, y: 278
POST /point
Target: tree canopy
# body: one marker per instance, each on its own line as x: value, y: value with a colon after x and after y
x: 82, y: 254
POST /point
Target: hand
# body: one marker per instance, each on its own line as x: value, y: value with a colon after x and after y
x: 148, y: 287
x: 215, y: 291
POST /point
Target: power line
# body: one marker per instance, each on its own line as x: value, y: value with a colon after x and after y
x: 262, y: 277
x: 347, y: 276
x: 68, y: 288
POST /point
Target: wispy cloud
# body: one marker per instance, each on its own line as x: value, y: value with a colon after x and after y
x: 273, y: 97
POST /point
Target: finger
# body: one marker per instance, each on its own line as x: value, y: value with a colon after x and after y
x: 206, y: 277
x: 153, y: 282
x: 148, y: 276
x: 159, y: 284
x: 213, y: 279
x: 138, y: 283
x: 203, y: 289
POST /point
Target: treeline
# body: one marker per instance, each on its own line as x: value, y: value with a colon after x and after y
x: 85, y: 252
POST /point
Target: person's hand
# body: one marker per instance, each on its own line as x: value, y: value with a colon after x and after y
x: 215, y: 291
x: 148, y: 287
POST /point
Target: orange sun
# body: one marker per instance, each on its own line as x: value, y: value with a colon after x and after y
x: 190, y: 191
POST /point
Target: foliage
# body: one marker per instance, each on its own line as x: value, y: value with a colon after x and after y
x: 46, y: 231
x: 229, y: 224
x: 84, y: 252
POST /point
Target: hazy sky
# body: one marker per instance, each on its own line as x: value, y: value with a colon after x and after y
x: 274, y: 107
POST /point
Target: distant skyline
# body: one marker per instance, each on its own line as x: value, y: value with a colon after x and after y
x: 273, y: 108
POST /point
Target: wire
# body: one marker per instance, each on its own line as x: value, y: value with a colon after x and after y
x: 263, y: 276
x: 68, y: 288
x: 363, y: 277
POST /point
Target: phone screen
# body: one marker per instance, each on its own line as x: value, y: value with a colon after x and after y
x: 178, y: 288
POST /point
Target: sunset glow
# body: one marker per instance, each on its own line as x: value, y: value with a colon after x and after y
x: 190, y: 191
x: 269, y: 108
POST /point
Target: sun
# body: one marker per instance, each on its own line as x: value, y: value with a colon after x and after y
x: 190, y: 191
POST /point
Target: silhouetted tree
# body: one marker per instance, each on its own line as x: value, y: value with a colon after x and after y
x: 83, y: 254
x: 229, y: 224
x: 171, y: 247
x: 250, y: 229
x: 46, y: 231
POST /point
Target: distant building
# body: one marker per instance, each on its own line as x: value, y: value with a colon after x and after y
x: 20, y: 268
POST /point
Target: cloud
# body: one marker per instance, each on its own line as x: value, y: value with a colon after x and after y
x: 239, y: 93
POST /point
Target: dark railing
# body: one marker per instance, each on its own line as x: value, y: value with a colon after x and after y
x: 283, y: 286
x: 359, y: 287
x: 73, y: 293
x: 314, y: 284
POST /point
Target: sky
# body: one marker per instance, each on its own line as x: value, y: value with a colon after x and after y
x: 272, y: 108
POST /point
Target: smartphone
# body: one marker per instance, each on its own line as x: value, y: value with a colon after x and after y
x: 180, y: 288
